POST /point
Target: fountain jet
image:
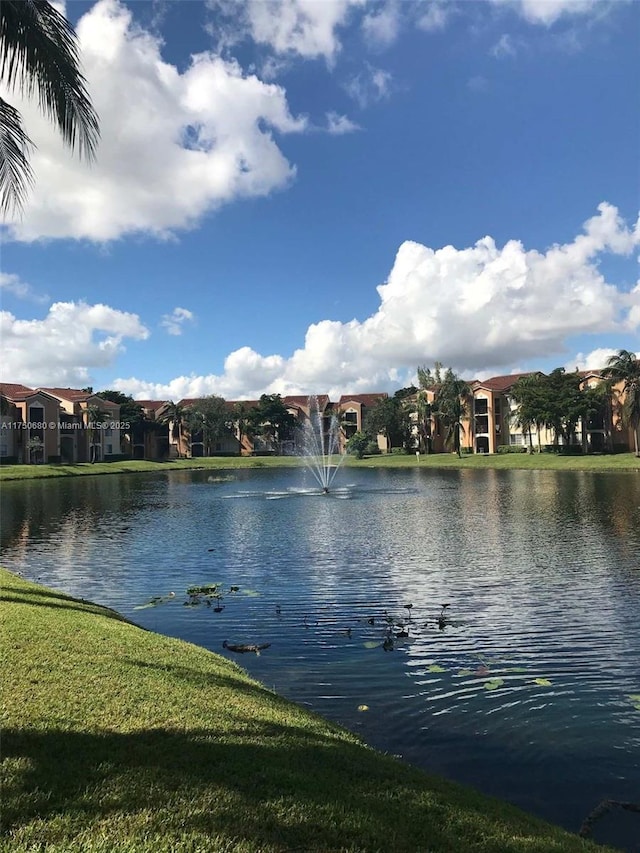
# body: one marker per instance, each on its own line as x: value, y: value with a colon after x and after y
x: 321, y: 444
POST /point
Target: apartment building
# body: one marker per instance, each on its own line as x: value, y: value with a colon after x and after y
x: 41, y: 425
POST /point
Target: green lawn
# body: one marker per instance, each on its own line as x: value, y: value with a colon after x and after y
x: 536, y: 461
x: 118, y: 739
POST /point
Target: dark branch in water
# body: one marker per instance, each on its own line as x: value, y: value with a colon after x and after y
x: 602, y: 809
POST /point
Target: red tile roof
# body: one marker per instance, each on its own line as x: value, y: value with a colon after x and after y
x: 15, y: 391
x: 363, y: 399
x: 502, y: 383
x: 73, y: 395
x: 152, y: 404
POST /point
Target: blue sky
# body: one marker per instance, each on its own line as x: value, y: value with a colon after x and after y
x: 320, y: 195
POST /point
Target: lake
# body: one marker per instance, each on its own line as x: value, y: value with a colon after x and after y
x: 527, y: 685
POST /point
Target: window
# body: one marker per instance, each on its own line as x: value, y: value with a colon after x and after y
x: 516, y: 438
x: 109, y: 449
x: 482, y: 424
x: 496, y: 406
x: 481, y: 406
x: 107, y: 431
x: 351, y: 417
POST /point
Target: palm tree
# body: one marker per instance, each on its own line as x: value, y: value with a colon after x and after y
x: 624, y: 369
x: 451, y: 405
x: 176, y: 415
x: 95, y: 417
x: 39, y: 54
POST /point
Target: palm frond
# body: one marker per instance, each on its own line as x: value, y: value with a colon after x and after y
x: 15, y: 172
x: 38, y: 53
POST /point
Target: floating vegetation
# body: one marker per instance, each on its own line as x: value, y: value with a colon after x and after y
x: 436, y: 668
x: 156, y: 601
x: 493, y: 683
x: 543, y: 682
x: 363, y: 707
x: 634, y: 698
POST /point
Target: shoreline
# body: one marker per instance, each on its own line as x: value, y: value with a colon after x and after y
x: 133, y: 740
x: 622, y: 462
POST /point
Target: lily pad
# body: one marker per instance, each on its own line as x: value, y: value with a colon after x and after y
x: 465, y: 672
x: 372, y: 644
x: 516, y: 669
x: 251, y: 593
x: 635, y: 697
x: 436, y: 668
x: 543, y: 682
x: 493, y: 683
x: 363, y: 707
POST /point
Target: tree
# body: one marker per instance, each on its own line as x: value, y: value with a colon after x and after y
x: 272, y: 420
x: 39, y: 54
x: 176, y: 415
x: 529, y: 395
x: 358, y: 444
x: 451, y: 405
x: 95, y: 416
x: 428, y: 382
x: 131, y: 412
x: 243, y: 423
x: 391, y: 418
x: 209, y: 416
x: 623, y: 369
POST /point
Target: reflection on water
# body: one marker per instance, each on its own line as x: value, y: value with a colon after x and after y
x: 526, y: 688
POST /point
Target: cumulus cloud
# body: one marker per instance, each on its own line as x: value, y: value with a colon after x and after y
x: 13, y: 284
x: 305, y: 28
x: 62, y: 349
x: 174, y: 322
x: 474, y: 308
x: 174, y: 144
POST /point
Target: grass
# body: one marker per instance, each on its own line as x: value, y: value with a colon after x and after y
x: 536, y: 461
x: 115, y: 738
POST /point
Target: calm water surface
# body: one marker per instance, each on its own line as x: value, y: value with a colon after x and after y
x: 541, y: 571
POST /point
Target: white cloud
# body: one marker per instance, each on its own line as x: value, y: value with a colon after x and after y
x: 13, y: 284
x: 62, y: 349
x: 505, y: 46
x: 174, y: 322
x: 436, y: 17
x: 474, y: 308
x: 382, y: 26
x: 547, y: 12
x: 305, y: 28
x: 369, y: 86
x: 338, y: 125
x: 174, y: 145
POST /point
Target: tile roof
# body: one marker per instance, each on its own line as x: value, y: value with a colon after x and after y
x: 73, y: 395
x: 15, y: 391
x: 502, y: 383
x: 363, y: 399
x: 152, y: 404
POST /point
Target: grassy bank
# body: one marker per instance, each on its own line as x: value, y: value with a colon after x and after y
x: 525, y: 461
x: 115, y: 738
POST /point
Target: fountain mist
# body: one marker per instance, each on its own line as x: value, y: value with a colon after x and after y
x: 321, y: 444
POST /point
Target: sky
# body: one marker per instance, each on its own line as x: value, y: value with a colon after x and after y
x: 319, y: 196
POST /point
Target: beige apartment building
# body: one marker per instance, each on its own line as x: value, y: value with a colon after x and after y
x: 39, y: 425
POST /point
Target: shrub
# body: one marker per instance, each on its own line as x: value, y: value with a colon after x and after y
x: 54, y: 460
x: 8, y: 460
x: 117, y: 457
x: 372, y: 449
x: 512, y: 448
